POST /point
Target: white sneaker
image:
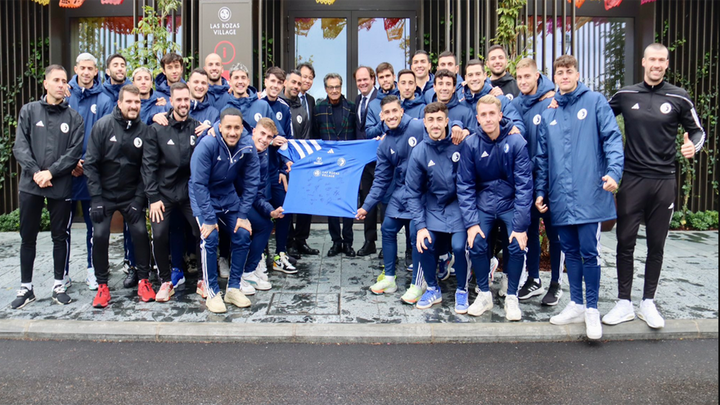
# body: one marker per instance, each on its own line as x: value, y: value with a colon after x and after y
x: 512, y: 308
x: 223, y: 267
x: 261, y: 269
x: 67, y: 282
x: 281, y: 263
x: 573, y: 313
x: 246, y: 288
x: 593, y: 327
x: 91, y: 281
x: 503, y: 286
x: 622, y: 312
x: 649, y: 313
x: 256, y: 282
x: 483, y: 302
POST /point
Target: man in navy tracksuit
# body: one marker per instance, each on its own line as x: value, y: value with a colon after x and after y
x: 536, y: 91
x: 222, y: 167
x: 495, y: 185
x: 402, y: 134
x: 201, y: 108
x: 373, y: 122
x: 445, y: 92
x: 87, y: 98
x: 172, y: 66
x: 218, y: 85
x: 260, y: 215
x: 579, y: 164
x: 245, y: 97
x: 432, y: 200
x: 150, y: 104
x: 413, y: 103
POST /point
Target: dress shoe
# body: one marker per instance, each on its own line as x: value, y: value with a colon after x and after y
x: 304, y: 249
x: 366, y: 249
x: 335, y: 249
x: 293, y: 252
x: 348, y: 250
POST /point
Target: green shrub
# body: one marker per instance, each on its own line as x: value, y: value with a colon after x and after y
x: 11, y: 222
x: 701, y: 221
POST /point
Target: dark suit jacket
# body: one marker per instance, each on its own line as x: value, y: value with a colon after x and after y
x: 360, y: 124
x: 324, y: 124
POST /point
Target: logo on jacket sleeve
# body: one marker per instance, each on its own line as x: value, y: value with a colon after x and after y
x: 582, y: 114
x: 193, y: 139
x: 137, y: 142
x: 39, y: 124
x: 665, y: 108
x: 64, y: 128
x: 93, y: 108
x: 257, y: 117
x: 536, y: 119
x: 456, y: 157
x: 509, y: 96
x: 207, y: 122
x: 278, y: 115
x: 412, y: 141
x: 113, y: 139
x: 636, y: 106
x: 554, y: 122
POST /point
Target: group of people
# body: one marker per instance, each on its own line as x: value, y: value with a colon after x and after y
x: 466, y: 165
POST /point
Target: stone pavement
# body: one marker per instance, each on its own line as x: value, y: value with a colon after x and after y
x: 334, y: 290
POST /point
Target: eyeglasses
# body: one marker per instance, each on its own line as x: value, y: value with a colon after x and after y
x: 333, y: 88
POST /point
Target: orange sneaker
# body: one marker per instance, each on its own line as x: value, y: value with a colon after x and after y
x: 145, y: 291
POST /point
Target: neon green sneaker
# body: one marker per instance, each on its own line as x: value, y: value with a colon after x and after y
x: 386, y: 285
x: 412, y: 295
x: 381, y: 276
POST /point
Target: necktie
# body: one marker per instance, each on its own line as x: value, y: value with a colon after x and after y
x: 362, y: 107
x: 304, y: 103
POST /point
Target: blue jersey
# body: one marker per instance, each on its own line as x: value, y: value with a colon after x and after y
x: 326, y: 175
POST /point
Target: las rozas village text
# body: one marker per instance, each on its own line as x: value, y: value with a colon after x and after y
x: 224, y: 28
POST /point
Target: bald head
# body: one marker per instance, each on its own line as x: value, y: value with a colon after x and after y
x: 652, y: 48
x: 214, y: 68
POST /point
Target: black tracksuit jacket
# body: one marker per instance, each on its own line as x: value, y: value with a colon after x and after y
x: 48, y: 137
x: 166, y: 159
x: 114, y: 158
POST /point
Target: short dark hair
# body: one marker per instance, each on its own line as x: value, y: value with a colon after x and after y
x: 406, y: 72
x: 52, y: 68
x: 369, y: 69
x: 421, y: 52
x: 436, y: 107
x: 294, y: 72
x: 275, y: 71
x: 389, y: 99
x: 178, y: 86
x: 565, y: 61
x: 495, y: 47
x: 199, y: 71
x: 232, y: 111
x: 447, y: 54
x: 128, y: 88
x: 306, y: 65
x: 474, y: 62
x: 110, y: 58
x: 171, y: 57
x: 445, y: 73
x: 383, y: 66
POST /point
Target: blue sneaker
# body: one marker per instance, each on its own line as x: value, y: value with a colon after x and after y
x: 461, y: 301
x: 431, y: 297
x: 177, y: 277
x: 444, y: 265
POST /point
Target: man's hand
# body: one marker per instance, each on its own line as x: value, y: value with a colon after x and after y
x: 161, y: 119
x: 283, y: 180
x: 609, y: 184
x: 135, y: 212
x: 97, y: 211
x: 42, y: 178
x: 553, y: 104
x: 277, y: 213
x: 156, y: 211
x: 496, y: 91
x: 244, y: 224
x: 161, y: 102
x: 289, y: 166
x: 211, y: 132
x: 458, y: 135
x: 688, y: 148
x: 540, y: 205
x: 547, y: 95
x: 207, y: 229
x: 361, y: 214
x: 200, y: 128
x: 279, y: 141
x: 421, y: 236
x: 521, y: 238
x: 515, y: 130
x: 472, y: 233
x: 78, y: 170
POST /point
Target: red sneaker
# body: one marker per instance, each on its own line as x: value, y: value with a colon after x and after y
x: 201, y: 289
x: 102, y: 298
x: 145, y: 291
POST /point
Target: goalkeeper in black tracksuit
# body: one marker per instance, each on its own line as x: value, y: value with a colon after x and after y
x: 652, y: 111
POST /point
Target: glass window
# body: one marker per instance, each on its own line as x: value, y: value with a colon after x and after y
x: 384, y: 40
x: 323, y: 43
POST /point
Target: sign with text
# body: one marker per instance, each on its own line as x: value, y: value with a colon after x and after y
x: 226, y: 29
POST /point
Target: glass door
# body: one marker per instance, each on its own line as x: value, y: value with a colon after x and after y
x: 322, y: 41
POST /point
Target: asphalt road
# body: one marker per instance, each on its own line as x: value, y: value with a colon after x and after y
x: 635, y: 372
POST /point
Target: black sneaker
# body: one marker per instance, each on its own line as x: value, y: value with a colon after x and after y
x: 24, y: 297
x: 132, y: 278
x: 553, y: 295
x: 408, y: 259
x: 60, y: 296
x: 530, y: 289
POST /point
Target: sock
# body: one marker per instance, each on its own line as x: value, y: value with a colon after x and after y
x: 57, y: 283
x: 537, y: 280
x: 29, y: 286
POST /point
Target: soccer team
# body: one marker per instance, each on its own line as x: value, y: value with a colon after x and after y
x: 468, y: 166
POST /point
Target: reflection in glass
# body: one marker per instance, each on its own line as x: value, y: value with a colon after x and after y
x: 322, y: 42
x: 384, y: 40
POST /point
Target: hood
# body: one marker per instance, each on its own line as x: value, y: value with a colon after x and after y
x: 292, y: 102
x: 525, y: 102
x: 219, y: 89
x: 244, y: 103
x: 127, y: 124
x: 473, y: 98
x: 415, y: 101
x: 571, y: 98
x: 442, y: 144
x: 145, y: 105
x: 507, y: 77
x: 381, y: 94
x: 245, y: 139
x: 114, y: 89
x: 54, y: 107
x: 404, y: 121
x: 200, y: 105
x: 77, y: 90
x: 505, y: 127
x: 161, y: 84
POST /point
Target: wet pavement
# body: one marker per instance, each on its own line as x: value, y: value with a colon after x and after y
x: 335, y: 290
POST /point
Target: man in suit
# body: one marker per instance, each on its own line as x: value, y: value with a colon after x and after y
x: 365, y: 81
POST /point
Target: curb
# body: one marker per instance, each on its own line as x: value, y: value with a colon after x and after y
x: 344, y: 333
